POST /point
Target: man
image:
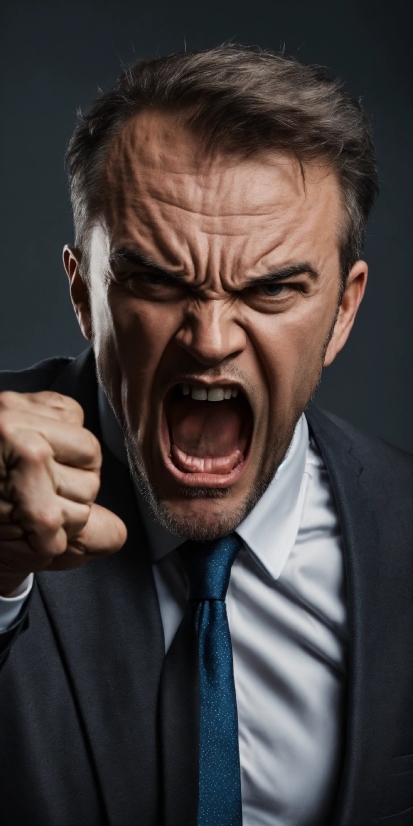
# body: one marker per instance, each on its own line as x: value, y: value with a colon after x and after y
x: 244, y: 656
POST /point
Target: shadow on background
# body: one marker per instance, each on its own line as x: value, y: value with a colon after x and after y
x: 54, y: 57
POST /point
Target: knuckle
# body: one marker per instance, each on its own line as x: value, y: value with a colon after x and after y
x: 83, y: 518
x: 48, y: 397
x: 93, y: 447
x: 36, y: 452
x: 9, y: 399
x: 94, y: 485
x: 7, y: 426
x: 52, y: 549
x: 71, y: 406
x: 48, y: 520
x: 60, y: 544
x: 63, y: 404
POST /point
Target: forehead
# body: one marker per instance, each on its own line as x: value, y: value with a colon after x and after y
x: 160, y: 181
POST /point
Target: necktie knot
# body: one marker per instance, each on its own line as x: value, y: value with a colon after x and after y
x: 208, y: 566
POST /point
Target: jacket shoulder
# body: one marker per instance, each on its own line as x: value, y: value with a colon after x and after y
x: 383, y: 461
x: 39, y: 377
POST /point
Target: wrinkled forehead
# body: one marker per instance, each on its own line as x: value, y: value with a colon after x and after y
x: 159, y: 171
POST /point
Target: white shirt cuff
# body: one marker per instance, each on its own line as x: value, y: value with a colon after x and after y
x: 10, y: 606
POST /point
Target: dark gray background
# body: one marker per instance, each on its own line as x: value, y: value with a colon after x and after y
x: 55, y: 55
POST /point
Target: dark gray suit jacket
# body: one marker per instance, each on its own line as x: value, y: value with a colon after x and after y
x: 79, y: 683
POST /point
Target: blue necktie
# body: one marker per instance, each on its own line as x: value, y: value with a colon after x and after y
x: 208, y: 567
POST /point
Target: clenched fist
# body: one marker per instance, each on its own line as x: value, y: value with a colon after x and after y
x: 49, y: 479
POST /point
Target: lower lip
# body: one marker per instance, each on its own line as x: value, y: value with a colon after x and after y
x: 198, y: 480
x: 205, y: 480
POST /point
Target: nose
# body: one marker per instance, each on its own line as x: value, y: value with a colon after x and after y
x: 210, y: 333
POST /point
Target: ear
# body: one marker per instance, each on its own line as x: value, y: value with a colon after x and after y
x: 352, y: 298
x: 79, y: 292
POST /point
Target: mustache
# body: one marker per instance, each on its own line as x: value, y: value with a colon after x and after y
x: 224, y: 373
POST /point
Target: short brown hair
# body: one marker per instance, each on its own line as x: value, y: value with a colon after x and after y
x: 243, y: 100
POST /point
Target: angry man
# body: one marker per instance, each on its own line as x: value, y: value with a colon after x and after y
x: 237, y: 649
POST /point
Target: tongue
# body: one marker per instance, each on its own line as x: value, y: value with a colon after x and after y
x: 206, y: 437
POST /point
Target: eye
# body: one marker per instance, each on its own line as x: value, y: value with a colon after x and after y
x: 154, y: 286
x: 271, y: 296
x: 153, y: 278
x: 272, y: 289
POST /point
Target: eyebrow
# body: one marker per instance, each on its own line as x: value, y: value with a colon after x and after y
x: 290, y: 271
x: 140, y: 259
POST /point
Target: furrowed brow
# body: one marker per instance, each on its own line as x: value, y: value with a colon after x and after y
x: 301, y: 268
x: 125, y: 255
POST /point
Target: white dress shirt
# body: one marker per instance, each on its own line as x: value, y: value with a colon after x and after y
x: 287, y: 614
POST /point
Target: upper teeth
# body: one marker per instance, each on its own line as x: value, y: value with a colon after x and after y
x: 214, y: 394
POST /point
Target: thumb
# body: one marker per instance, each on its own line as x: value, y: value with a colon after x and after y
x: 104, y: 533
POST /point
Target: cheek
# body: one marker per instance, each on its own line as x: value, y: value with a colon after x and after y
x: 137, y: 330
x: 289, y: 346
x: 141, y: 332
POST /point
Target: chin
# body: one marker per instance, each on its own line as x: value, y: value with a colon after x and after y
x: 201, y: 518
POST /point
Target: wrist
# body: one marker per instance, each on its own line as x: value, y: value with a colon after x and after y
x: 15, y: 587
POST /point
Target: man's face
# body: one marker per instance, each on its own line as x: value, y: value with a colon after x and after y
x: 214, y: 284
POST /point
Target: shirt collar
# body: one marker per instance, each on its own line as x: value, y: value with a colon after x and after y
x: 269, y: 531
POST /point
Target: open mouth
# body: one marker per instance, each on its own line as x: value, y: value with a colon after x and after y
x: 207, y: 433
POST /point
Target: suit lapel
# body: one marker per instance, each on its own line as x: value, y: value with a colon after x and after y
x: 179, y: 719
x: 107, y: 621
x: 357, y: 796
